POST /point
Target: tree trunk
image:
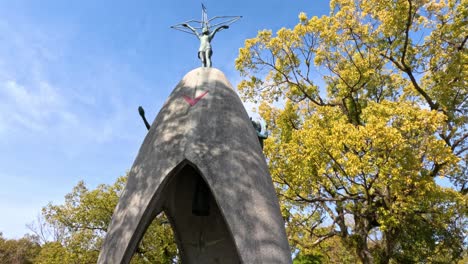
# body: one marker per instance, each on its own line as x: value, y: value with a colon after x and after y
x: 362, y: 231
x: 363, y: 251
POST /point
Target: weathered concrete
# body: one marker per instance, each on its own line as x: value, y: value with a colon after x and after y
x: 215, y: 140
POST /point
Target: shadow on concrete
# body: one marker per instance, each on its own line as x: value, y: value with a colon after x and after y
x: 213, y: 140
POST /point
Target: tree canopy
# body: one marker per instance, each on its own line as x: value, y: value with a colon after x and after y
x: 367, y: 108
x: 73, y: 232
x: 19, y: 251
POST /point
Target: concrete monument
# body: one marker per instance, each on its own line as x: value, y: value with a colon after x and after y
x: 202, y: 164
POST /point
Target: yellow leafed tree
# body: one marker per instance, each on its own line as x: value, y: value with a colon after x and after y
x: 373, y: 109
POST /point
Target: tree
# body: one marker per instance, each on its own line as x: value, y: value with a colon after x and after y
x: 308, y: 259
x: 19, y: 251
x: 52, y: 253
x: 329, y: 251
x: 45, y: 232
x: 84, y: 218
x: 375, y: 109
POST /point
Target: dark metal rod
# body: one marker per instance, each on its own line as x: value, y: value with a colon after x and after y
x: 142, y: 114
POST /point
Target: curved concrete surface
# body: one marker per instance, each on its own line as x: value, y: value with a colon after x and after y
x: 202, y: 132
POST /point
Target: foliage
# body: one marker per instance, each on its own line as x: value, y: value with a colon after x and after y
x: 73, y: 232
x: 329, y: 251
x: 52, y: 253
x: 308, y: 259
x: 19, y: 251
x: 374, y: 110
x: 84, y: 218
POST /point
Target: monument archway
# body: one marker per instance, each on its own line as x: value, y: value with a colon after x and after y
x: 200, y: 229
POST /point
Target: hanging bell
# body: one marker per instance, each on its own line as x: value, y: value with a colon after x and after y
x: 201, y: 199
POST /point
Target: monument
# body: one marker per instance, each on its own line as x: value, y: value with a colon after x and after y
x: 202, y: 164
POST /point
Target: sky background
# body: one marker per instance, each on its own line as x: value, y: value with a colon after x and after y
x: 73, y: 73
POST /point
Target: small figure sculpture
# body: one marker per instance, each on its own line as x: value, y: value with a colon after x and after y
x: 205, y: 51
x: 206, y: 35
x: 262, y: 134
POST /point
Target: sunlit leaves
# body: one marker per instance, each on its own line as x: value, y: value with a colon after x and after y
x: 374, y: 110
x: 84, y: 218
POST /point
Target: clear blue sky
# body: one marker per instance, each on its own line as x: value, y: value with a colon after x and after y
x: 72, y: 74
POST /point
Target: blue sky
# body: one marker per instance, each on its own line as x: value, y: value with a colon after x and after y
x: 72, y: 74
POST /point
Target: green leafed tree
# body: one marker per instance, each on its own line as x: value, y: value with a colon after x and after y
x: 83, y: 220
x: 367, y: 108
x: 19, y: 251
x: 308, y: 259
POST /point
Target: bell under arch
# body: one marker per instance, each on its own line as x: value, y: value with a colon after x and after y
x: 200, y: 229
